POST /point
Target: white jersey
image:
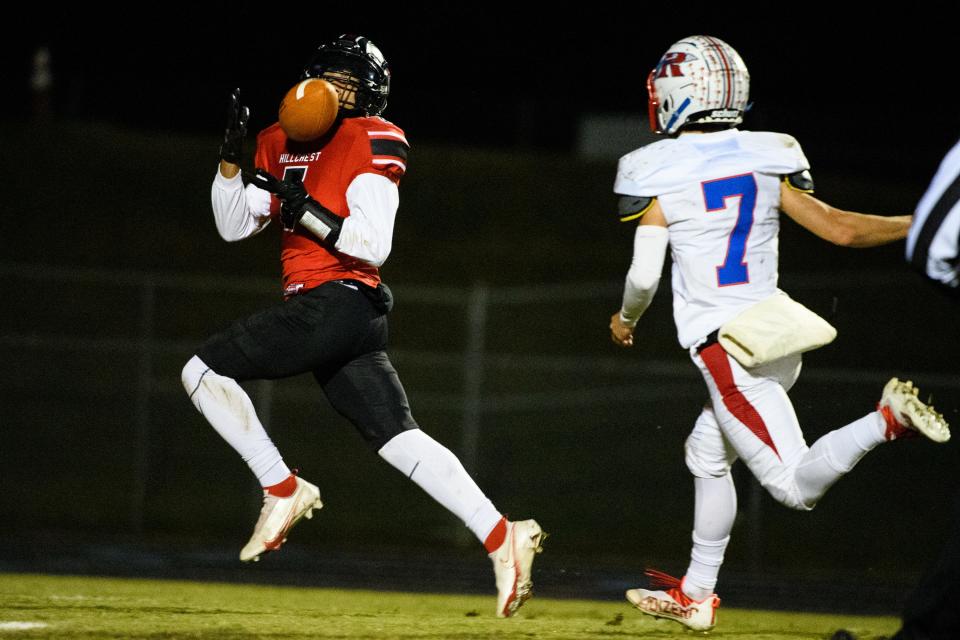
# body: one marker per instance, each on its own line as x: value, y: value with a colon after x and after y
x: 720, y: 194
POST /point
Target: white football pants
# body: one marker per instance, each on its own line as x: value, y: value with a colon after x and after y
x: 750, y: 417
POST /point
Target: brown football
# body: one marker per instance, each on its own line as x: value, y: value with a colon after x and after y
x: 309, y: 109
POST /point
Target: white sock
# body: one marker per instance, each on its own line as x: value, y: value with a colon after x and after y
x: 835, y: 454
x: 714, y: 512
x: 438, y: 472
x: 229, y: 410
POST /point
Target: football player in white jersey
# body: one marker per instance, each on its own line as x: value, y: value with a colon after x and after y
x: 713, y: 193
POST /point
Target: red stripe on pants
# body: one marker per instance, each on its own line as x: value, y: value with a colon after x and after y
x: 719, y: 367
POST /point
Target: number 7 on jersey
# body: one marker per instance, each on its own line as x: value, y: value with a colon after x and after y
x: 715, y: 193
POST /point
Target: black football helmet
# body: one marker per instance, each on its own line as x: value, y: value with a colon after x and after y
x: 357, y: 68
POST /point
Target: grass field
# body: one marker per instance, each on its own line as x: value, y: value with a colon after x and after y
x: 38, y: 606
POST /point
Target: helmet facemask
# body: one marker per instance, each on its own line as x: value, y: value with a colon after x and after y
x: 347, y: 87
x: 653, y: 104
x: 357, y: 70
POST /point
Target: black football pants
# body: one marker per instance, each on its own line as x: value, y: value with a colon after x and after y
x: 337, y: 332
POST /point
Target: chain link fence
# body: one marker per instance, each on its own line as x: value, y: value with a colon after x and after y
x: 520, y: 381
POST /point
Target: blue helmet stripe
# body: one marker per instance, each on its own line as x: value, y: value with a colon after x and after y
x: 676, y: 114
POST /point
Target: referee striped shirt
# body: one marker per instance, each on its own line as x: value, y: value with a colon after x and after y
x: 933, y: 245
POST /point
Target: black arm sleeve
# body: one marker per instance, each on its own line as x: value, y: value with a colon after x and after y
x: 320, y: 221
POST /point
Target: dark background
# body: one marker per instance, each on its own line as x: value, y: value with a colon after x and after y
x: 871, y: 89
x: 106, y: 223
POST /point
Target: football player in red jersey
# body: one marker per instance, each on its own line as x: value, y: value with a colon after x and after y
x: 336, y: 198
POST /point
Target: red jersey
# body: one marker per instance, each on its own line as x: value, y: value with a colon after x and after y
x: 327, y: 166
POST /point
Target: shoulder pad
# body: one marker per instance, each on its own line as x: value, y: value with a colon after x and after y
x: 652, y: 170
x: 631, y: 208
x: 772, y: 139
x: 388, y: 146
x: 775, y: 153
x: 269, y: 131
x: 642, y: 162
x: 377, y: 126
x: 786, y: 140
x: 800, y: 181
x: 385, y: 148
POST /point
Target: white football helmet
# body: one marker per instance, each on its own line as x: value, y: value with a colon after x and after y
x: 699, y: 79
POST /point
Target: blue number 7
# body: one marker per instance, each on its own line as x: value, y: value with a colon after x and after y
x: 715, y: 193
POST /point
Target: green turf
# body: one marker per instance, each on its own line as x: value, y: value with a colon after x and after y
x: 82, y: 607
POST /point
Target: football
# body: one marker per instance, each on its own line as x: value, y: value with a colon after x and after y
x: 309, y: 109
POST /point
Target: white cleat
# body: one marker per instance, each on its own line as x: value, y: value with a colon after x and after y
x: 512, y: 565
x: 277, y: 517
x: 905, y: 414
x: 674, y: 604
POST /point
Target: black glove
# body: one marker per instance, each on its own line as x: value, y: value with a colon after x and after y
x: 295, y: 200
x: 293, y: 195
x: 298, y: 206
x: 237, y: 116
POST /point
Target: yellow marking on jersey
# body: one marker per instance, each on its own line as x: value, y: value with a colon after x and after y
x: 638, y: 214
x: 786, y: 180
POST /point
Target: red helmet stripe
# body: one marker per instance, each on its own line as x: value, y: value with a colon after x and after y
x: 728, y: 87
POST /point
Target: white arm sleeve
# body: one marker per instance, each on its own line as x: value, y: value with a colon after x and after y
x: 239, y: 213
x: 367, y: 233
x: 649, y: 251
